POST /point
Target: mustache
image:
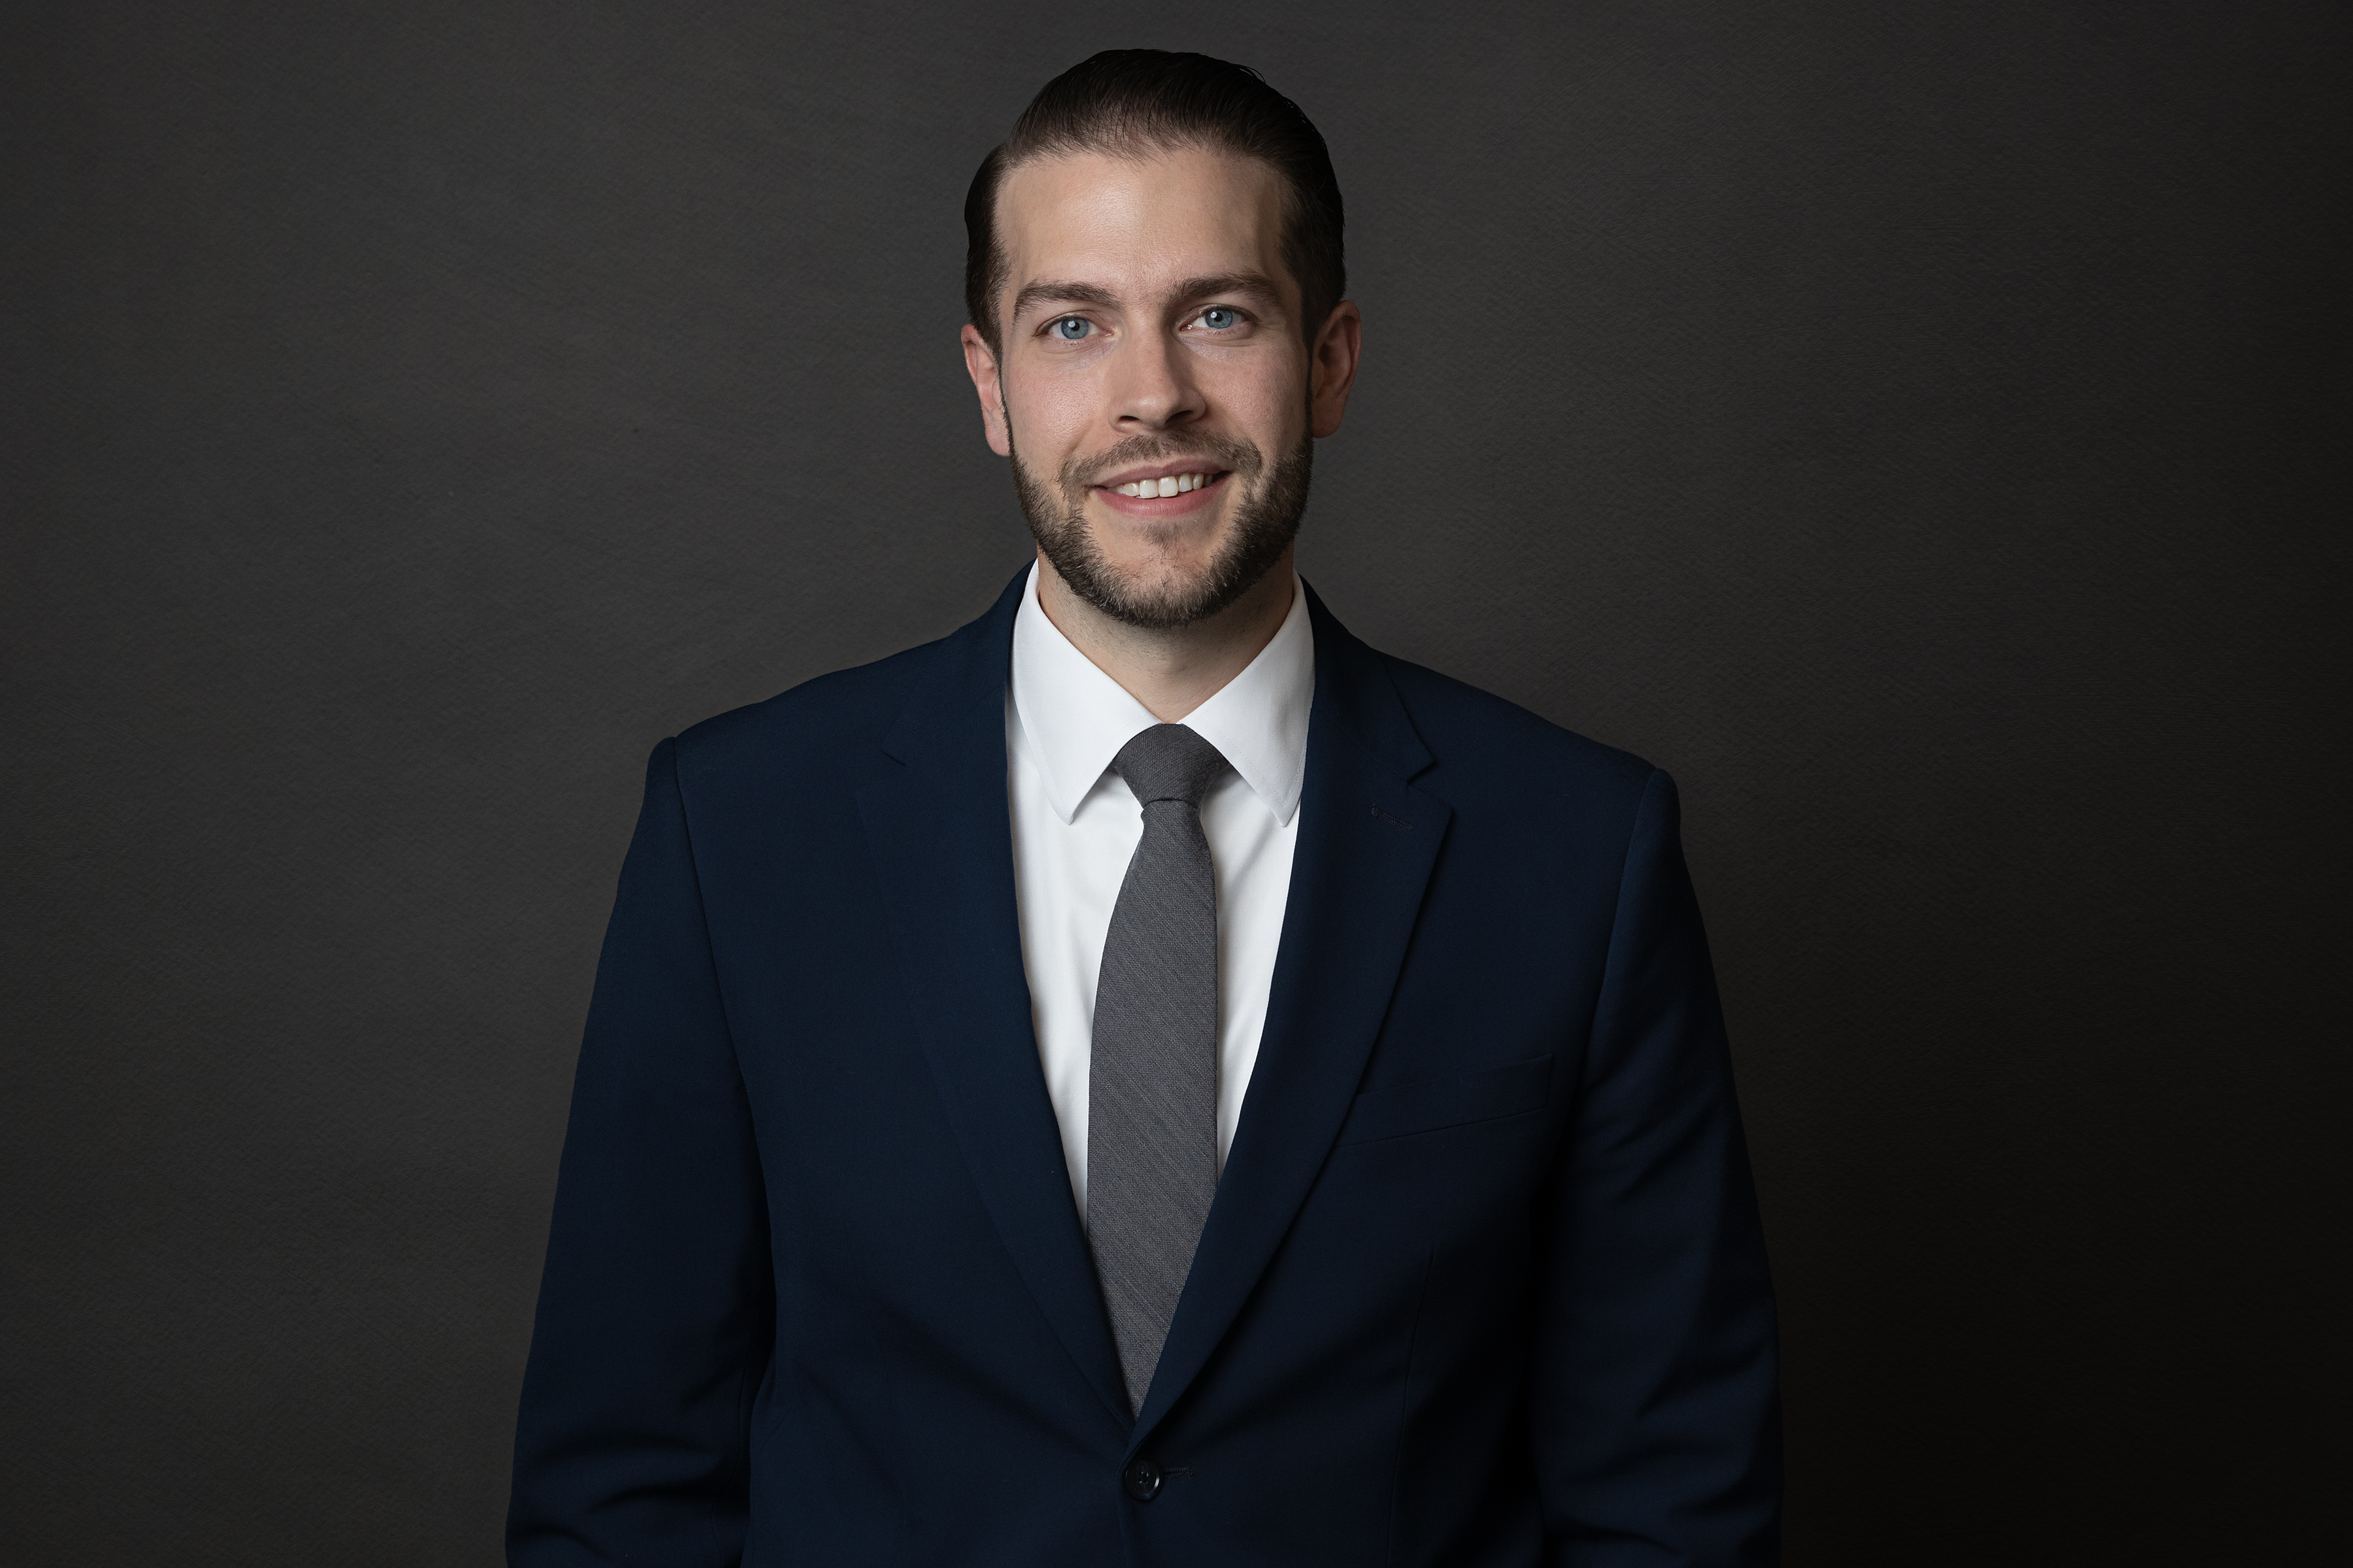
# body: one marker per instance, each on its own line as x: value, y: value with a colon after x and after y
x: 1240, y: 456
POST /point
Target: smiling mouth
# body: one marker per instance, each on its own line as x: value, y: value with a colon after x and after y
x: 1167, y: 484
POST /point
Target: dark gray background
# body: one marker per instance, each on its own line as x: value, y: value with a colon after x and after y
x: 1922, y: 429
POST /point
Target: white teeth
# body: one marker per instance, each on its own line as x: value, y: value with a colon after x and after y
x: 1173, y: 485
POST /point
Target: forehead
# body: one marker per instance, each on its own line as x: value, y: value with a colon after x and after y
x: 1132, y: 224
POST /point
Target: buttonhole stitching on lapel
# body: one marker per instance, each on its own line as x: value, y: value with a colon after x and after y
x: 1385, y: 816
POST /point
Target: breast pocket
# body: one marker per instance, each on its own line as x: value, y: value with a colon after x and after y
x: 1404, y: 1109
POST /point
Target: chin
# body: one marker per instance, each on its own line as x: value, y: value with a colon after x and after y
x: 1156, y: 555
x: 1161, y: 586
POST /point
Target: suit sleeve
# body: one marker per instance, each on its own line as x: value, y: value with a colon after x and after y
x: 655, y: 1308
x: 1654, y: 1411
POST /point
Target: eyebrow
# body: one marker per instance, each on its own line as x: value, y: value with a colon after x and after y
x: 1255, y: 284
x: 1258, y: 285
x: 1034, y: 294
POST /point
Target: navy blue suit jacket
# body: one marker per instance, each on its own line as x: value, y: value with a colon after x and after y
x: 1483, y: 1284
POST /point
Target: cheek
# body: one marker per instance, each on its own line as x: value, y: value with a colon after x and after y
x: 1266, y: 399
x: 1050, y: 414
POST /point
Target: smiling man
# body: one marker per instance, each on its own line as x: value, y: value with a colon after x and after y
x: 1147, y: 1078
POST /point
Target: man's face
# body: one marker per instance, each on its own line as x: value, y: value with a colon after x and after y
x: 1152, y: 385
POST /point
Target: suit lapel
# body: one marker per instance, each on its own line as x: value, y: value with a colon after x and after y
x: 1367, y: 844
x: 940, y: 834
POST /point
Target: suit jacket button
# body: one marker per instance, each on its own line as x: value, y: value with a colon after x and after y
x: 1142, y: 1481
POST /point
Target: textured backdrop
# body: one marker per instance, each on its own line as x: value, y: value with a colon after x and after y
x: 1923, y: 429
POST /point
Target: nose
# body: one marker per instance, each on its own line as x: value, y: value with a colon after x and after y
x: 1155, y: 389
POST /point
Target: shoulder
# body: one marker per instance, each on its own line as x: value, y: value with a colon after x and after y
x: 833, y: 722
x: 1488, y: 750
x: 835, y: 728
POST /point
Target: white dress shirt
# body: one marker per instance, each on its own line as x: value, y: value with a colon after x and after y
x: 1076, y: 826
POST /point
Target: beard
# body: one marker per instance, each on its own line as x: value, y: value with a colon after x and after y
x: 1273, y: 500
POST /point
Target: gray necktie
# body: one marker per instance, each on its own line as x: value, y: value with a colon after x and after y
x: 1152, y: 1087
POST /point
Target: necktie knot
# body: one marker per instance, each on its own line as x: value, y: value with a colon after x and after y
x: 1169, y: 761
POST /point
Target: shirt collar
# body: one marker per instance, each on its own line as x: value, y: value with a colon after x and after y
x: 1076, y: 717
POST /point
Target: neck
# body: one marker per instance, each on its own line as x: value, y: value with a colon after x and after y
x: 1172, y: 670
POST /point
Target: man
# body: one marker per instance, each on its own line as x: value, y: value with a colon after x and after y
x: 1147, y: 1078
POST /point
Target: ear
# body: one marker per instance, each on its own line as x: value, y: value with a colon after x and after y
x: 981, y: 366
x: 1332, y: 366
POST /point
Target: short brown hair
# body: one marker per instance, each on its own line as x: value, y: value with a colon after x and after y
x: 1130, y: 102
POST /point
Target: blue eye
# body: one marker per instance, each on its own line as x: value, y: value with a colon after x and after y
x: 1072, y: 328
x: 1218, y: 318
